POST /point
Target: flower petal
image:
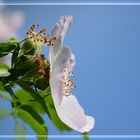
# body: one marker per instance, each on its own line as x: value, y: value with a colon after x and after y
x: 72, y: 114
x: 59, y: 31
x: 56, y: 73
x: 68, y: 108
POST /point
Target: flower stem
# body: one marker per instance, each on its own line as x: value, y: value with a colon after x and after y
x: 22, y: 41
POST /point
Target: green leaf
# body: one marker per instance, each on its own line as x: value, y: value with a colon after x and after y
x: 1, y: 86
x: 4, y: 113
x: 24, y: 67
x: 15, y: 55
x: 41, y: 83
x: 13, y: 40
x: 33, y: 119
x: 4, y: 70
x: 25, y: 62
x: 6, y: 48
x: 27, y: 87
x: 26, y: 98
x: 9, y: 89
x: 2, y: 65
x: 5, y: 88
x: 28, y: 48
x: 4, y: 95
x: 30, y: 74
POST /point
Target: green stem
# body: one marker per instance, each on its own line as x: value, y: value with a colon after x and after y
x: 22, y: 41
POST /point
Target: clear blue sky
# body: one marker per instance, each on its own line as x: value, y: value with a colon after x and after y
x: 106, y: 43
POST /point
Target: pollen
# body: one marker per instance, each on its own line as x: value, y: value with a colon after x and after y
x: 41, y: 37
x: 66, y: 82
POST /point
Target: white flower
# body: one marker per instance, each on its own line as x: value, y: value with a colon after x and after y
x: 62, y: 62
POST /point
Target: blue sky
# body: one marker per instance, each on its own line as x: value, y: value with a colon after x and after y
x: 106, y: 43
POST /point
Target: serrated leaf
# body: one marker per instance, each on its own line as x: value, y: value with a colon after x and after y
x: 4, y: 113
x: 33, y: 119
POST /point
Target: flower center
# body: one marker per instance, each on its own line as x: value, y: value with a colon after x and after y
x: 67, y: 83
x: 41, y: 37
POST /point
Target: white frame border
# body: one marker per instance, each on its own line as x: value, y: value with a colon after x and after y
x: 73, y: 4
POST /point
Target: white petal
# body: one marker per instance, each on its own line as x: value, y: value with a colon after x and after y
x: 68, y: 108
x: 72, y: 114
x: 90, y: 124
x: 60, y: 29
x: 59, y: 32
x: 55, y: 75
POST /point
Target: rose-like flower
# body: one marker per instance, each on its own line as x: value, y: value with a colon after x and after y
x: 61, y: 64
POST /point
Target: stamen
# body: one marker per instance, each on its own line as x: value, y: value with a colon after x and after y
x: 67, y: 83
x: 41, y: 37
